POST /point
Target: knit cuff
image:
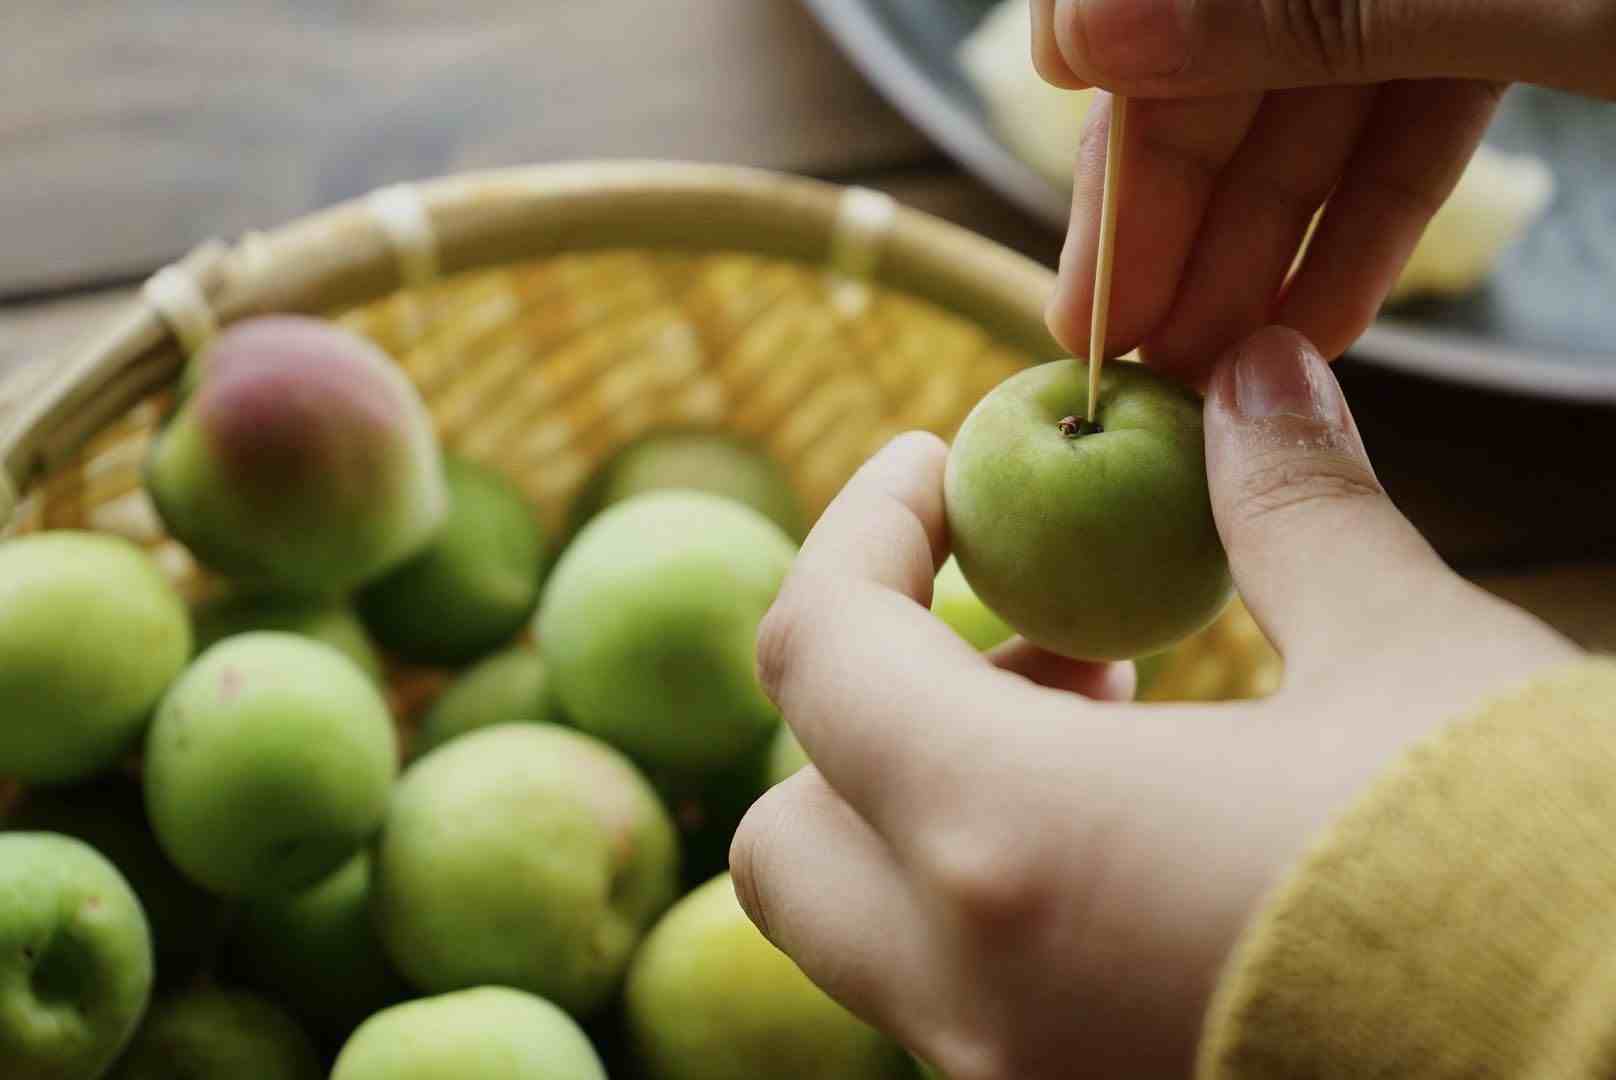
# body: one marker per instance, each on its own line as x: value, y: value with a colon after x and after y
x: 1458, y: 920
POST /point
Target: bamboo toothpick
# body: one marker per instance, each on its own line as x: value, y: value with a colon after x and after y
x: 1103, y: 252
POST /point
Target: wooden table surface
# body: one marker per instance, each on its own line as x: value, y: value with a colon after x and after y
x: 131, y: 132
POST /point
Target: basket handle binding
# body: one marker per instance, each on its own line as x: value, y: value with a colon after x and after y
x: 360, y: 250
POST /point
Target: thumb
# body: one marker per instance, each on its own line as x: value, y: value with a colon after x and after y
x: 1320, y: 555
x: 1171, y: 48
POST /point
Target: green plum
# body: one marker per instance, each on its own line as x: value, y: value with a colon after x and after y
x: 215, y: 1034
x: 524, y: 855
x: 304, y: 459
x: 716, y: 462
x: 1096, y: 545
x: 109, y: 815
x: 90, y: 636
x: 486, y: 1033
x: 474, y: 586
x: 511, y: 687
x: 269, y: 764
x: 330, y: 621
x: 953, y: 602
x: 648, y: 626
x: 75, y: 959
x: 709, y: 998
x: 318, y: 951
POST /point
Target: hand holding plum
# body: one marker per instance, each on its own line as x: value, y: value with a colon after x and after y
x: 1030, y: 873
x: 1247, y: 117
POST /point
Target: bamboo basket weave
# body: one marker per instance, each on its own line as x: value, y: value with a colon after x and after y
x: 550, y: 314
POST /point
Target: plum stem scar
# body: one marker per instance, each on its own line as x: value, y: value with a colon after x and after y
x: 1073, y: 428
x: 1101, y: 309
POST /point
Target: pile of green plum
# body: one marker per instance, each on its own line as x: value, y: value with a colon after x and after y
x: 227, y: 852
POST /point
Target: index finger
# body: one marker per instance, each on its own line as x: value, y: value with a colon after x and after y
x: 889, y: 703
x: 1174, y: 155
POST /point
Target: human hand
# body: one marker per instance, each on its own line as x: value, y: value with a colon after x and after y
x: 1013, y: 871
x: 1247, y: 116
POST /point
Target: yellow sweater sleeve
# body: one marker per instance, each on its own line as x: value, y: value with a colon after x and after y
x: 1458, y: 921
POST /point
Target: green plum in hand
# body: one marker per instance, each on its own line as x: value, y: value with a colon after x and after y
x: 487, y: 1033
x: 269, y: 764
x: 75, y: 959
x: 1096, y: 545
x: 90, y: 636
x: 214, y: 1034
x: 474, y: 586
x: 304, y: 459
x: 648, y: 625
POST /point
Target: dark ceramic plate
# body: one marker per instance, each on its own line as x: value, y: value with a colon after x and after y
x: 1546, y: 322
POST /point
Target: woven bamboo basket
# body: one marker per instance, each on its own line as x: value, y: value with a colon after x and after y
x: 551, y: 314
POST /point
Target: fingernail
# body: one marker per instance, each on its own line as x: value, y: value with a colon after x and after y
x: 1134, y: 38
x: 1278, y: 372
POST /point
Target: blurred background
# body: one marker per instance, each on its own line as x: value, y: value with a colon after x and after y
x: 130, y: 132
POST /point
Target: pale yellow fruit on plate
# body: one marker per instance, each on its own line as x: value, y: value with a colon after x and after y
x: 1041, y: 123
x: 1496, y: 200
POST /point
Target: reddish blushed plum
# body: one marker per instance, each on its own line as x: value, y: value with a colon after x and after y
x: 304, y: 459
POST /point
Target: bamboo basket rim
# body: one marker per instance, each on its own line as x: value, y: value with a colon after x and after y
x: 351, y: 252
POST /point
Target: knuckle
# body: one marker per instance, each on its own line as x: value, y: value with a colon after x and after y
x: 1332, y: 34
x: 1292, y: 483
x: 1197, y: 153
x: 993, y: 882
